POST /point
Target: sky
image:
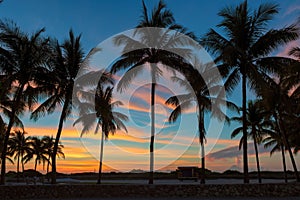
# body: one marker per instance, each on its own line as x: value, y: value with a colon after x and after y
x: 176, y: 144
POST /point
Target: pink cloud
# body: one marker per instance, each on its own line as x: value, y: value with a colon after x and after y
x: 285, y: 50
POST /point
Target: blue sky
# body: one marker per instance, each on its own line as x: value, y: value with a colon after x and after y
x: 98, y: 20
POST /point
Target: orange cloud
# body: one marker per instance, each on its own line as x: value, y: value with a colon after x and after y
x: 79, y: 159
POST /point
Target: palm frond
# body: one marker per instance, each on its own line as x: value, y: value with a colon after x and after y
x: 273, y: 39
x: 236, y: 131
x: 129, y: 75
x: 177, y: 111
x: 87, y: 120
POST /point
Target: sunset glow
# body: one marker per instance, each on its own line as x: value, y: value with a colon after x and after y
x: 176, y: 144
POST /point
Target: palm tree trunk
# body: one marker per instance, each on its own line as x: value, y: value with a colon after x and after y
x: 18, y: 167
x: 4, y: 150
x: 256, y: 155
x: 202, y: 181
x: 58, y: 134
x: 35, y: 164
x: 244, y: 108
x: 48, y: 165
x: 152, y: 132
x: 283, y: 163
x: 17, y: 99
x: 201, y: 141
x: 287, y: 144
x: 101, y: 159
x: 23, y: 168
x: 282, y: 146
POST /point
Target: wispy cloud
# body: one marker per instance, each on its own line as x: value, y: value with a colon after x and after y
x: 233, y: 152
x: 291, y: 10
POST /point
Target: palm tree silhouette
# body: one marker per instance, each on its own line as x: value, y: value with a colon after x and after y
x: 206, y: 94
x: 23, y: 60
x: 6, y: 102
x: 258, y: 124
x: 68, y: 58
x: 38, y: 152
x: 5, y: 108
x: 275, y: 141
x: 19, y: 147
x: 49, y: 146
x: 282, y: 104
x: 149, y: 52
x: 294, y: 129
x: 244, y: 48
x: 2, y: 132
x: 68, y: 61
x: 292, y: 80
x: 103, y: 116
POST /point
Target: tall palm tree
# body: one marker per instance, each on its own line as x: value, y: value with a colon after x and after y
x: 206, y: 95
x: 23, y: 60
x: 292, y: 78
x: 19, y: 146
x: 38, y: 152
x: 67, y: 61
x: 103, y: 116
x: 242, y: 51
x: 257, y: 125
x: 5, y: 108
x: 281, y: 98
x: 150, y: 53
x: 275, y: 141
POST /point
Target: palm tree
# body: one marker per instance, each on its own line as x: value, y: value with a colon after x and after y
x: 292, y: 75
x: 292, y: 78
x: 275, y: 141
x: 6, y: 103
x: 103, y: 116
x: 282, y: 97
x: 19, y: 145
x: 5, y: 108
x: 109, y: 120
x: 257, y: 125
x: 244, y: 48
x: 150, y: 53
x: 206, y: 96
x: 23, y: 61
x: 67, y: 61
x: 38, y: 152
x: 49, y: 146
x: 283, y: 103
x: 2, y: 132
x: 294, y: 129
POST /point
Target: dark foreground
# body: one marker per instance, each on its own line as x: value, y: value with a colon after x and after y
x: 189, y: 198
x: 157, y: 191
